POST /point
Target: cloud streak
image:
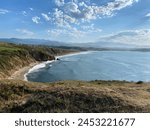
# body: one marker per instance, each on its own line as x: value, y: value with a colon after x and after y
x: 24, y: 13
x: 25, y: 32
x: 148, y: 15
x: 36, y: 19
x: 85, y: 33
x: 46, y: 17
x: 31, y: 9
x: 59, y: 2
x: 4, y: 11
x: 78, y: 11
x: 137, y: 37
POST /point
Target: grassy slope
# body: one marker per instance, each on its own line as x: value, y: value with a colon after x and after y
x: 65, y: 96
x: 74, y: 96
x: 14, y: 57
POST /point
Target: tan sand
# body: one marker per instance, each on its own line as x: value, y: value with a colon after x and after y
x: 19, y: 74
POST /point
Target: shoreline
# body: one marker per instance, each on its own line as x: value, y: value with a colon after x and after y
x: 21, y: 73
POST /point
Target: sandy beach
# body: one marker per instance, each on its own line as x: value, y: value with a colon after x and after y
x: 19, y: 74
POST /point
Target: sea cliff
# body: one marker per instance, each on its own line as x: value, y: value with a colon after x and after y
x: 14, y: 57
x: 63, y: 96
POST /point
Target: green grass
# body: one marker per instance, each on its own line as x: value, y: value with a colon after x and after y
x: 8, y: 49
x: 2, y: 48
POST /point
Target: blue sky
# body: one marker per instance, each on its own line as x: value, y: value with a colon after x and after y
x: 123, y: 21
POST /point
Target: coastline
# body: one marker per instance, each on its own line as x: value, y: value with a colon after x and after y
x: 21, y: 73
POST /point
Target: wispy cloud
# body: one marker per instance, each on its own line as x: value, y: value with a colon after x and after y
x: 46, y: 17
x: 24, y: 13
x: 31, y: 9
x: 74, y: 33
x: 81, y: 20
x: 68, y: 14
x: 59, y: 19
x: 137, y: 37
x: 25, y: 32
x: 36, y: 19
x: 91, y: 28
x: 4, y: 11
x: 59, y: 2
x: 75, y: 11
x: 85, y: 33
x: 147, y: 15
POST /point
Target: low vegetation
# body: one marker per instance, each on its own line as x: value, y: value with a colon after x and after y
x: 74, y: 96
x: 65, y: 96
x: 14, y: 57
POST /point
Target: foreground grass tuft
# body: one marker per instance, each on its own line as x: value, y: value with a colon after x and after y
x: 74, y: 96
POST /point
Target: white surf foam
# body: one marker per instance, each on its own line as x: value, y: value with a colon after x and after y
x: 36, y: 68
x: 43, y: 65
x: 73, y: 54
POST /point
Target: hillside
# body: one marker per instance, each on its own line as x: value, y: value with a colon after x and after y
x: 13, y: 57
x: 74, y: 96
x: 64, y: 96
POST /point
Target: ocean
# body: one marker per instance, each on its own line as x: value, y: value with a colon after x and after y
x: 94, y: 65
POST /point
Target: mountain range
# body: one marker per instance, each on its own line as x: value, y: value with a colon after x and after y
x: 98, y: 44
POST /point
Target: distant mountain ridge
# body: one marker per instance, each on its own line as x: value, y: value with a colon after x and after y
x: 98, y: 44
x: 30, y: 41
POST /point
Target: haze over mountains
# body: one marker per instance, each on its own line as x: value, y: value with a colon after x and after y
x: 98, y: 44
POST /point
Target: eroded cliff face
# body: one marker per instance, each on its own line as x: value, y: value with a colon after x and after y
x: 64, y: 96
x: 21, y: 59
x: 14, y: 57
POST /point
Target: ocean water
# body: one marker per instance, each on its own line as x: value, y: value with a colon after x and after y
x: 94, y: 65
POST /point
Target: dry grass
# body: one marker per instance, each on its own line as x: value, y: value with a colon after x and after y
x: 74, y: 96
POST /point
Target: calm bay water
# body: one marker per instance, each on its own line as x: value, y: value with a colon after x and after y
x: 98, y: 65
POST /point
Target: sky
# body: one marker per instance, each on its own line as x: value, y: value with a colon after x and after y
x: 77, y: 21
